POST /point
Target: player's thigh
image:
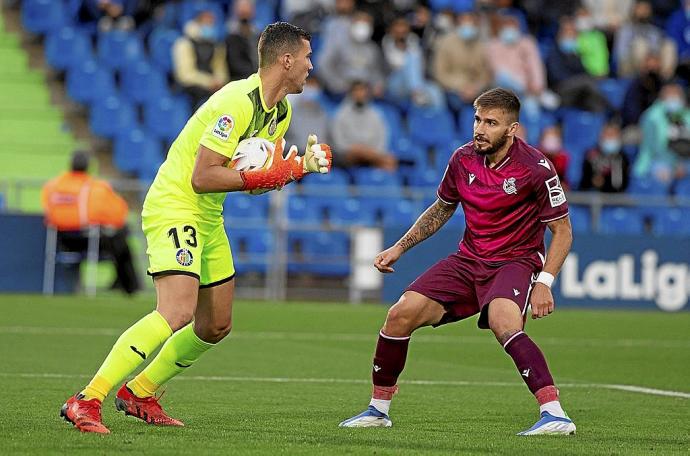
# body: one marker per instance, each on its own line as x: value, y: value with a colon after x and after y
x: 217, y: 266
x: 413, y: 310
x: 213, y: 317
x: 507, y: 298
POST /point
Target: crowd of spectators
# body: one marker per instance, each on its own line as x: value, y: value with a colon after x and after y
x: 438, y: 55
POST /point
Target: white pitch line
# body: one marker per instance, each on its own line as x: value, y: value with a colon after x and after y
x: 355, y: 381
x: 352, y: 337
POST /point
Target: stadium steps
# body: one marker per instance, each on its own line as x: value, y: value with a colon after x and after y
x: 35, y: 145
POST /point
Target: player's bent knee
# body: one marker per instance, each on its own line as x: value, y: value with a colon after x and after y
x: 403, y: 317
x: 215, y: 332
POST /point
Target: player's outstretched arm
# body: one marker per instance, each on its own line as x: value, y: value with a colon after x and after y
x: 427, y: 224
x: 211, y: 174
x: 541, y: 298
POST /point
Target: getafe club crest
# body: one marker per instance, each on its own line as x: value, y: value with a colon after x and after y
x: 509, y: 186
x: 184, y: 257
x: 272, y: 127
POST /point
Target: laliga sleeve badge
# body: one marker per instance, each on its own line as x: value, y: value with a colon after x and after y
x: 184, y: 257
x: 223, y: 127
x: 556, y: 193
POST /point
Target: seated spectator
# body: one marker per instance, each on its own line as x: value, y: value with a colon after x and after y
x: 242, y: 41
x: 643, y: 90
x: 308, y: 114
x: 551, y: 145
x: 460, y: 62
x: 517, y: 65
x: 199, y: 63
x: 107, y: 14
x: 74, y: 201
x: 591, y: 44
x: 355, y: 56
x: 360, y: 133
x: 665, y: 148
x: 422, y: 25
x: 678, y: 28
x: 636, y: 39
x: 338, y: 23
x: 568, y: 77
x: 606, y: 167
x: 609, y: 15
x: 405, y: 59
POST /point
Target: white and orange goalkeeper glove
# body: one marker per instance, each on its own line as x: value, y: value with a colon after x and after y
x: 317, y: 157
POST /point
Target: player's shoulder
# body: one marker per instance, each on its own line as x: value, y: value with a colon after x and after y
x: 464, y: 151
x: 238, y: 93
x: 532, y: 158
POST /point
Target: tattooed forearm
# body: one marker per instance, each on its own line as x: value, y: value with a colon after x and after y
x: 427, y: 224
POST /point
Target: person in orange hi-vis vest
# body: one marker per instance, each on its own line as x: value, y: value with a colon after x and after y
x: 74, y: 201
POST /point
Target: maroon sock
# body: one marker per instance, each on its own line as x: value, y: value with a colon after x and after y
x: 530, y: 361
x: 389, y: 360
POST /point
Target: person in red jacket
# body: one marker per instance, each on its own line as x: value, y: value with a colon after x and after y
x: 551, y: 145
x: 74, y: 201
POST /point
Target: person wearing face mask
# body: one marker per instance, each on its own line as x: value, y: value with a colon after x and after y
x: 460, y: 63
x: 606, y: 168
x: 640, y: 37
x: 551, y: 145
x: 241, y: 42
x: 360, y: 132
x: 566, y: 74
x: 642, y: 91
x: 199, y: 63
x: 354, y: 56
x: 665, y: 147
x: 591, y: 44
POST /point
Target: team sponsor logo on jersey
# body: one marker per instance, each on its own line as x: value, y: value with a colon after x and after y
x: 509, y: 186
x: 556, y: 193
x: 224, y: 127
x: 472, y: 177
x: 272, y: 127
x: 184, y: 257
x: 544, y: 163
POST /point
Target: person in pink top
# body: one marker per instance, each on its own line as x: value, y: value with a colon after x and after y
x: 510, y: 193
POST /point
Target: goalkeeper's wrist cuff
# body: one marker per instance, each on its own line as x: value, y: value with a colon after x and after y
x: 260, y: 179
x: 546, y: 278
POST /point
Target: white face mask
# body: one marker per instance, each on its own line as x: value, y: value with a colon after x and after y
x: 551, y: 143
x: 361, y: 31
x: 443, y: 22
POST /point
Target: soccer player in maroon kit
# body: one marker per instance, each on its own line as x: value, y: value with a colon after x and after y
x: 510, y: 193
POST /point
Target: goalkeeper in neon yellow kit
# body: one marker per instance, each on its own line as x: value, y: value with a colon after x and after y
x: 189, y: 253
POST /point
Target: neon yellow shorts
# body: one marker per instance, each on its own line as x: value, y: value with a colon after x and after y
x: 194, y: 248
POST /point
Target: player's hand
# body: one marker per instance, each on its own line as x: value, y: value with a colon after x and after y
x: 384, y: 260
x: 279, y: 172
x: 541, y: 301
x: 317, y: 157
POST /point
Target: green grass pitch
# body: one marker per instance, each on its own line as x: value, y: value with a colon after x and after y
x: 290, y: 372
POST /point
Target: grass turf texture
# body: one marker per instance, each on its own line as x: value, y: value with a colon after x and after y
x: 260, y: 391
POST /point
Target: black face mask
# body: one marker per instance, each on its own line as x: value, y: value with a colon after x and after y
x: 244, y: 21
x: 359, y: 104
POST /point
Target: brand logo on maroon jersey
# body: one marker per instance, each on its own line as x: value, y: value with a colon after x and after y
x: 472, y: 176
x: 509, y: 186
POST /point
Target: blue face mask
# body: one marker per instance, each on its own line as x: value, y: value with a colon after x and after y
x: 610, y: 146
x: 509, y: 35
x: 673, y: 105
x: 207, y: 32
x: 467, y: 32
x: 567, y: 45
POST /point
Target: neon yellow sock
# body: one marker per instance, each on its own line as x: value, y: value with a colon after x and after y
x: 130, y: 350
x: 177, y: 354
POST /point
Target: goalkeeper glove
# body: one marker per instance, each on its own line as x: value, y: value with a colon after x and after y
x: 317, y: 157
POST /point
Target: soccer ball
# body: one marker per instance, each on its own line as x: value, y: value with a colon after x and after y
x: 251, y: 153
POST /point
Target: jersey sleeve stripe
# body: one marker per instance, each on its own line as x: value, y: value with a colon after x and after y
x: 556, y: 218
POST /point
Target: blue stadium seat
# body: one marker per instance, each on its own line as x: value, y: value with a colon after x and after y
x: 328, y: 254
x: 454, y: 5
x: 303, y: 210
x: 620, y: 220
x: 429, y: 178
x: 131, y: 146
x: 87, y: 82
x: 265, y: 13
x: 191, y: 8
x: 614, y: 90
x: 244, y: 208
x: 466, y: 123
x: 141, y: 82
x: 349, y: 211
x: 165, y: 117
x: 672, y: 221
x: 430, y: 127
x: 400, y: 213
x: 112, y: 115
x: 43, y: 16
x: 386, y: 183
x: 336, y: 182
x: 161, y: 41
x: 393, y: 119
x: 581, y: 129
x: 66, y: 47
x: 118, y: 49
x: 647, y: 186
x: 682, y: 188
x: 580, y: 219
x: 251, y: 248
x: 408, y: 151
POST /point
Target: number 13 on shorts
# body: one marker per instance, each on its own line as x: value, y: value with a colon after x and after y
x: 174, y: 247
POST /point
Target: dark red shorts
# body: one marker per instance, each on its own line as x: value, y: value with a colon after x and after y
x: 464, y: 286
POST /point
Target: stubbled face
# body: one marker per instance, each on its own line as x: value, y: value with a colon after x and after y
x: 492, y: 129
x: 300, y: 68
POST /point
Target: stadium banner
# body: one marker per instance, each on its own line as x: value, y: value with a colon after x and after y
x: 618, y: 271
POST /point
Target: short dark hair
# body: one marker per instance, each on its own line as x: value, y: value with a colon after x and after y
x: 499, y: 98
x: 278, y: 38
x: 80, y: 161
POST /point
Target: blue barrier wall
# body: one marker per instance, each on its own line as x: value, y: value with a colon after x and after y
x: 22, y: 243
x: 601, y: 271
